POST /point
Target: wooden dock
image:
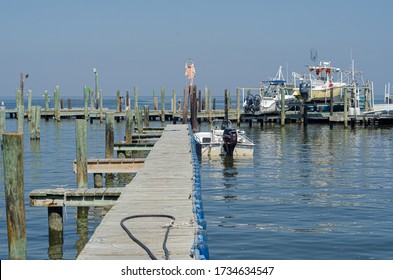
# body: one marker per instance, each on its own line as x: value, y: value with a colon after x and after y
x: 163, y: 186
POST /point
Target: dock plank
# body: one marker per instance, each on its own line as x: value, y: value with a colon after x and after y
x: 162, y: 186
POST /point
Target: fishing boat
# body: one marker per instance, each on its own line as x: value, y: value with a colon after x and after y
x: 223, y: 140
x: 268, y: 98
x: 318, y: 85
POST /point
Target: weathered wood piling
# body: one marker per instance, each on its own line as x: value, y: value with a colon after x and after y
x: 13, y: 160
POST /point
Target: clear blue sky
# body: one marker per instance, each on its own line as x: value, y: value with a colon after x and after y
x: 147, y: 42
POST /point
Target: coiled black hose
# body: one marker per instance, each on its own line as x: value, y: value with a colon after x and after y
x: 151, y: 255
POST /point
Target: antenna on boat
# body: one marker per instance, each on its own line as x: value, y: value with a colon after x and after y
x: 313, y: 54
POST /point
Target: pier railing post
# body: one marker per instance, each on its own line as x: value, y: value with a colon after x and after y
x: 14, y: 194
x: 81, y: 153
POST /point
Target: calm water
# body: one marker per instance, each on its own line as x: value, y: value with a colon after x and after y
x: 308, y: 193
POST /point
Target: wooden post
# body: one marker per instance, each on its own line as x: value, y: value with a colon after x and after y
x: 135, y: 98
x: 81, y: 153
x: 214, y: 104
x: 139, y: 120
x: 118, y: 103
x: 55, y: 232
x: 127, y: 100
x: 110, y: 135
x: 29, y: 96
x: 46, y: 100
x: 147, y: 117
x: 155, y: 102
x: 33, y: 122
x: 194, y: 110
x: 238, y: 107
x: 210, y: 106
x: 162, y: 105
x: 200, y: 100
x: 19, y: 97
x: 69, y: 104
x: 226, y: 105
x: 174, y: 103
x: 331, y: 101
x: 38, y: 123
x: 101, y: 104
x: 96, y: 87
x: 21, y: 118
x: 2, y: 124
x: 57, y: 104
x: 14, y: 194
x: 345, y: 108
x: 61, y: 103
x: 129, y: 126
x: 22, y: 89
x: 185, y: 106
x: 86, y: 102
x: 282, y: 119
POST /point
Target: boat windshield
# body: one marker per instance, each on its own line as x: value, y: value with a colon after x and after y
x: 221, y: 124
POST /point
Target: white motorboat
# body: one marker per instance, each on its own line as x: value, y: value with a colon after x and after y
x: 268, y: 98
x: 222, y: 140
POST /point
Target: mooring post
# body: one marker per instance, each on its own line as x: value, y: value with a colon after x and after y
x: 21, y: 118
x: 29, y: 102
x: 194, y: 110
x: 2, y: 124
x: 86, y: 102
x: 19, y: 98
x: 162, y: 105
x: 199, y: 100
x: 147, y: 116
x: 109, y: 132
x: 33, y: 122
x: 282, y: 119
x: 38, y: 123
x: 118, y: 103
x: 185, y: 106
x: 101, y: 104
x: 81, y: 153
x: 238, y: 107
x: 127, y: 100
x: 55, y: 232
x: 155, y: 103
x: 57, y: 104
x: 46, y: 100
x: 345, y: 108
x: 226, y: 105
x: 140, y: 122
x: 129, y: 126
x: 210, y: 105
x: 135, y: 98
x: 14, y: 194
x: 174, y: 106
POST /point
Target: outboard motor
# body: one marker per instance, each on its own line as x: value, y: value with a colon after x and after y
x: 230, y: 140
x: 303, y: 89
x: 257, y: 103
x: 248, y: 106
